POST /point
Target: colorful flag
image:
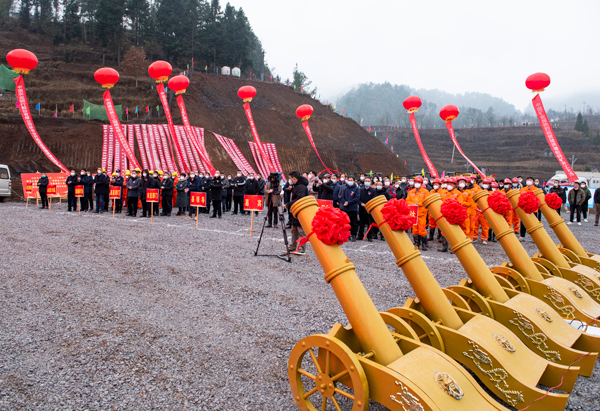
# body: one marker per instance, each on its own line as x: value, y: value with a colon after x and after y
x: 361, y: 120
x: 37, y: 106
x: 17, y: 104
x: 147, y: 109
x: 386, y: 141
x: 72, y: 108
x: 136, y: 109
x: 127, y: 110
x: 56, y: 112
x: 376, y: 134
x: 392, y: 177
x: 87, y: 111
x: 205, y: 68
x: 423, y: 172
x: 392, y: 148
x: 371, y: 173
x: 334, y: 106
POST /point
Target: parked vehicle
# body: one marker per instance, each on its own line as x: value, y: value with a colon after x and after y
x: 5, y: 182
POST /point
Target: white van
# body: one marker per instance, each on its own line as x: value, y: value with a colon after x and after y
x: 5, y: 182
x: 592, y: 178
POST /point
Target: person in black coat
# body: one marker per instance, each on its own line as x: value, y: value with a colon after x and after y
x: 252, y: 188
x: 118, y: 181
x: 205, y: 185
x: 287, y: 190
x: 88, y: 191
x: 367, y: 193
x: 43, y: 190
x: 145, y: 184
x: 298, y: 191
x: 101, y: 189
x: 166, y: 191
x: 193, y: 187
x: 325, y: 188
x: 155, y: 182
x: 71, y: 182
x: 239, y: 189
x: 134, y: 185
x: 216, y: 186
x: 83, y: 181
x: 559, y: 191
x: 229, y: 193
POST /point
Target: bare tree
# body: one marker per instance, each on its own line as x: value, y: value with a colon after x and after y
x: 135, y: 63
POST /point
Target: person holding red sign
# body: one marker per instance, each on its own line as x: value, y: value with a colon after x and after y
x: 71, y: 182
x: 145, y: 183
x: 117, y: 181
x: 43, y: 190
x: 166, y: 190
x: 416, y: 196
x: 101, y: 188
x: 134, y: 185
x: 192, y: 187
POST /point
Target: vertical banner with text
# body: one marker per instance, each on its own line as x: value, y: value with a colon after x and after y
x: 114, y: 121
x: 413, y: 123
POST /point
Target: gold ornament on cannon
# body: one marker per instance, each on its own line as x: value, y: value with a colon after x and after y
x: 366, y: 360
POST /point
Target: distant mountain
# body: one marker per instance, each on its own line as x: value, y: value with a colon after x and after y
x: 381, y: 104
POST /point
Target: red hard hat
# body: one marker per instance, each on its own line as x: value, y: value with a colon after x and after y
x: 437, y: 181
x: 507, y: 181
x: 495, y: 185
x: 474, y: 176
x: 460, y: 178
x: 418, y: 179
x: 451, y: 180
x: 515, y: 180
x: 487, y: 180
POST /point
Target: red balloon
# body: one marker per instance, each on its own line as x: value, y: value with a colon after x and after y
x: 449, y: 112
x: 412, y: 103
x: 304, y: 111
x: 160, y: 71
x: 106, y: 76
x: 247, y: 93
x: 179, y: 84
x: 537, y: 82
x: 22, y: 61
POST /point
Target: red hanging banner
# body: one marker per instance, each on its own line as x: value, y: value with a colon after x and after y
x: 114, y: 120
x: 551, y: 138
x: 104, y: 146
x: 130, y: 137
x: 312, y: 142
x: 111, y: 150
x: 413, y: 123
x: 26, y: 115
x: 256, y: 138
x: 163, y: 99
x: 190, y: 133
x: 453, y: 137
x: 140, y: 141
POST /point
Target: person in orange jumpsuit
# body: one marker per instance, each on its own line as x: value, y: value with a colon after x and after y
x: 473, y: 189
x: 466, y: 199
x: 480, y: 220
x: 452, y: 193
x: 515, y: 220
x: 529, y: 186
x: 416, y: 196
x: 437, y: 188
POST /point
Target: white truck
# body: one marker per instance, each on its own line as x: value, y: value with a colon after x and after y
x: 5, y: 182
x: 592, y: 179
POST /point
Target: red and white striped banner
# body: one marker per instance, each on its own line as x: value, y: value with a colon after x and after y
x: 147, y: 146
x: 190, y: 132
x: 272, y: 152
x: 235, y: 154
x: 131, y: 139
x: 105, y: 146
x: 261, y: 165
x: 114, y: 121
x: 191, y: 154
x: 160, y: 88
x: 140, y: 141
x: 176, y: 150
x: 117, y: 155
x: 159, y: 148
x: 154, y: 148
x: 200, y: 139
x: 163, y: 139
x: 111, y: 150
x: 185, y: 152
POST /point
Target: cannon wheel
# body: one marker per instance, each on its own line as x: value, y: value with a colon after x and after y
x: 318, y: 365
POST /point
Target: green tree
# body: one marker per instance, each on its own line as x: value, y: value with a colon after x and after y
x: 300, y: 82
x: 25, y: 13
x: 596, y: 139
x: 109, y: 17
x: 585, y: 128
x: 137, y: 12
x: 579, y: 122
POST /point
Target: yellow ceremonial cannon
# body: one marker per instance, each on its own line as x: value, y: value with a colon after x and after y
x: 557, y: 265
x: 428, y: 313
x: 569, y: 244
x: 349, y: 365
x: 523, y: 275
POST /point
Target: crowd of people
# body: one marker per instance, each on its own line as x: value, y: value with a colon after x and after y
x: 225, y: 193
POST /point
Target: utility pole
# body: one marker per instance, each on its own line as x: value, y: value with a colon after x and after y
x: 452, y: 160
x: 573, y: 160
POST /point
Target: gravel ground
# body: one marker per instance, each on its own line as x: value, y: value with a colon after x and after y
x: 106, y: 314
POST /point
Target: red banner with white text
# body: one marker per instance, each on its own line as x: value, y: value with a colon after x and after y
x: 140, y: 141
x: 551, y: 138
x: 255, y: 135
x: 104, y: 146
x: 190, y: 133
x: 428, y: 162
x: 114, y: 120
x: 163, y: 99
x: 26, y: 115
x: 30, y: 180
x: 453, y: 137
x: 312, y: 142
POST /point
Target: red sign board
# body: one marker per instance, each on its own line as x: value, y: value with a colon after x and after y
x: 253, y: 203
x: 51, y: 190
x: 325, y: 203
x: 79, y: 191
x: 152, y: 195
x: 56, y: 179
x: 414, y: 212
x: 197, y: 199
x: 115, y: 193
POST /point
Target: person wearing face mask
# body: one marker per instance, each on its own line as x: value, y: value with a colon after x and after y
x: 494, y: 187
x: 404, y: 184
x: 528, y: 187
x: 337, y: 190
x: 452, y: 193
x: 366, y: 194
x: 272, y: 199
x: 117, y: 181
x: 216, y: 187
x: 361, y: 180
x: 436, y: 189
x: 349, y: 202
x: 299, y: 190
x: 325, y: 188
x: 182, y: 200
x: 228, y: 193
x: 42, y: 183
x: 416, y: 196
x: 576, y: 199
x: 71, y: 182
x: 84, y: 181
x: 166, y: 192
x: 145, y: 184
x: 239, y: 189
x: 559, y: 191
x: 597, y: 205
x: 480, y: 220
x: 467, y: 201
x: 411, y: 184
x: 100, y: 187
x: 500, y: 184
x: 89, y: 194
x: 520, y: 181
x: 514, y: 217
x: 134, y: 185
x: 588, y: 195
x: 155, y: 184
x: 205, y: 186
x: 252, y: 188
x: 224, y: 190
x: 192, y: 187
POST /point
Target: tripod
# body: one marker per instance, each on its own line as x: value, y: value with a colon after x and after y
x: 281, y: 218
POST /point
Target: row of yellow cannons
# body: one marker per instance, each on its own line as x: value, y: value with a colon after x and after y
x: 511, y: 327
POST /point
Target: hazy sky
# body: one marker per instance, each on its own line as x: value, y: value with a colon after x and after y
x: 460, y: 46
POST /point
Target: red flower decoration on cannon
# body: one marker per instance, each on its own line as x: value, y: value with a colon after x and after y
x: 529, y: 202
x: 554, y: 201
x: 499, y: 203
x: 454, y: 212
x: 397, y: 214
x: 331, y: 226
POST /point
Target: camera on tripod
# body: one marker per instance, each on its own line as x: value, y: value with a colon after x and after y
x: 275, y: 179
